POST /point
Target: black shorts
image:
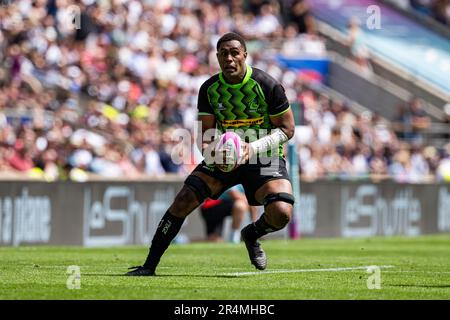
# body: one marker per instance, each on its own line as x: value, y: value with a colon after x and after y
x: 215, y: 215
x: 251, y: 176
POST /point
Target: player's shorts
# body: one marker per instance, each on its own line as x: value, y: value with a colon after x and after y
x: 215, y: 215
x: 251, y: 175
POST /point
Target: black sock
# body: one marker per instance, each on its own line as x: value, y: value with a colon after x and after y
x: 259, y: 228
x: 167, y: 230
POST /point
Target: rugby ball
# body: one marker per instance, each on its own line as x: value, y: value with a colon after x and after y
x: 229, y: 151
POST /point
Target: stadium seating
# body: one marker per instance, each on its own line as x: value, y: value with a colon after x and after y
x: 104, y: 100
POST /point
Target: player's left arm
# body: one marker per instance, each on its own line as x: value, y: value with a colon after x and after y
x: 280, y: 111
x: 285, y: 122
x: 281, y: 117
x: 284, y: 130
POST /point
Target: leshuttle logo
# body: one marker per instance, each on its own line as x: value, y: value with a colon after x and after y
x: 118, y: 218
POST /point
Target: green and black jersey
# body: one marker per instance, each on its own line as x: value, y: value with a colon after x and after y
x: 246, y: 107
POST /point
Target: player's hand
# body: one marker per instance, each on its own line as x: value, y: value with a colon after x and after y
x: 209, y: 153
x: 248, y: 153
x: 224, y: 157
x: 213, y: 156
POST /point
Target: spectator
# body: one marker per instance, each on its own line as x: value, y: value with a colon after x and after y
x: 442, y: 11
x: 4, y: 156
x: 21, y: 159
x: 153, y: 165
x: 443, y: 169
x: 296, y: 45
x: 358, y: 49
x: 267, y: 24
x: 413, y: 121
x: 232, y: 203
x: 300, y: 14
x: 47, y: 163
x: 165, y: 153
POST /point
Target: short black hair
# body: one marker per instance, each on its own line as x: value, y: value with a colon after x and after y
x: 229, y: 37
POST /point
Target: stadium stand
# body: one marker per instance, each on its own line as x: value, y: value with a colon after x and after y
x: 104, y: 100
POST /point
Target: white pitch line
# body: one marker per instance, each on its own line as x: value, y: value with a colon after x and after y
x: 238, y: 274
x: 418, y: 271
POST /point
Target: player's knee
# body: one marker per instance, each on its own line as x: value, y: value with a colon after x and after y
x: 199, y: 188
x: 278, y: 214
x: 278, y: 208
x: 185, y: 202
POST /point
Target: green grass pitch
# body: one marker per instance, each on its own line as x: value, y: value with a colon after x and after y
x: 411, y: 268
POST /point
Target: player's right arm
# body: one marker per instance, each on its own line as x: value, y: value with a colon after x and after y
x: 206, y: 134
x: 207, y: 125
x: 207, y: 144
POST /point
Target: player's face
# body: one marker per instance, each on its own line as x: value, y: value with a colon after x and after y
x: 231, y: 57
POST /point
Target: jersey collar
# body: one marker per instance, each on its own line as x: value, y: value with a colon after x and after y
x: 248, y: 74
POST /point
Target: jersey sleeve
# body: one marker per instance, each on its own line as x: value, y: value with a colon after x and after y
x: 203, y: 105
x: 278, y: 102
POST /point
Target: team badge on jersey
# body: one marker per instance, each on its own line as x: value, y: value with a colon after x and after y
x: 254, y: 105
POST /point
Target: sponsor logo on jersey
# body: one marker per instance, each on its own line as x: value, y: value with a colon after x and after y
x: 242, y: 122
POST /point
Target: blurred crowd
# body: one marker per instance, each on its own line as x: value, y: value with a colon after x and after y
x: 105, y: 98
x: 336, y: 143
x: 103, y: 93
